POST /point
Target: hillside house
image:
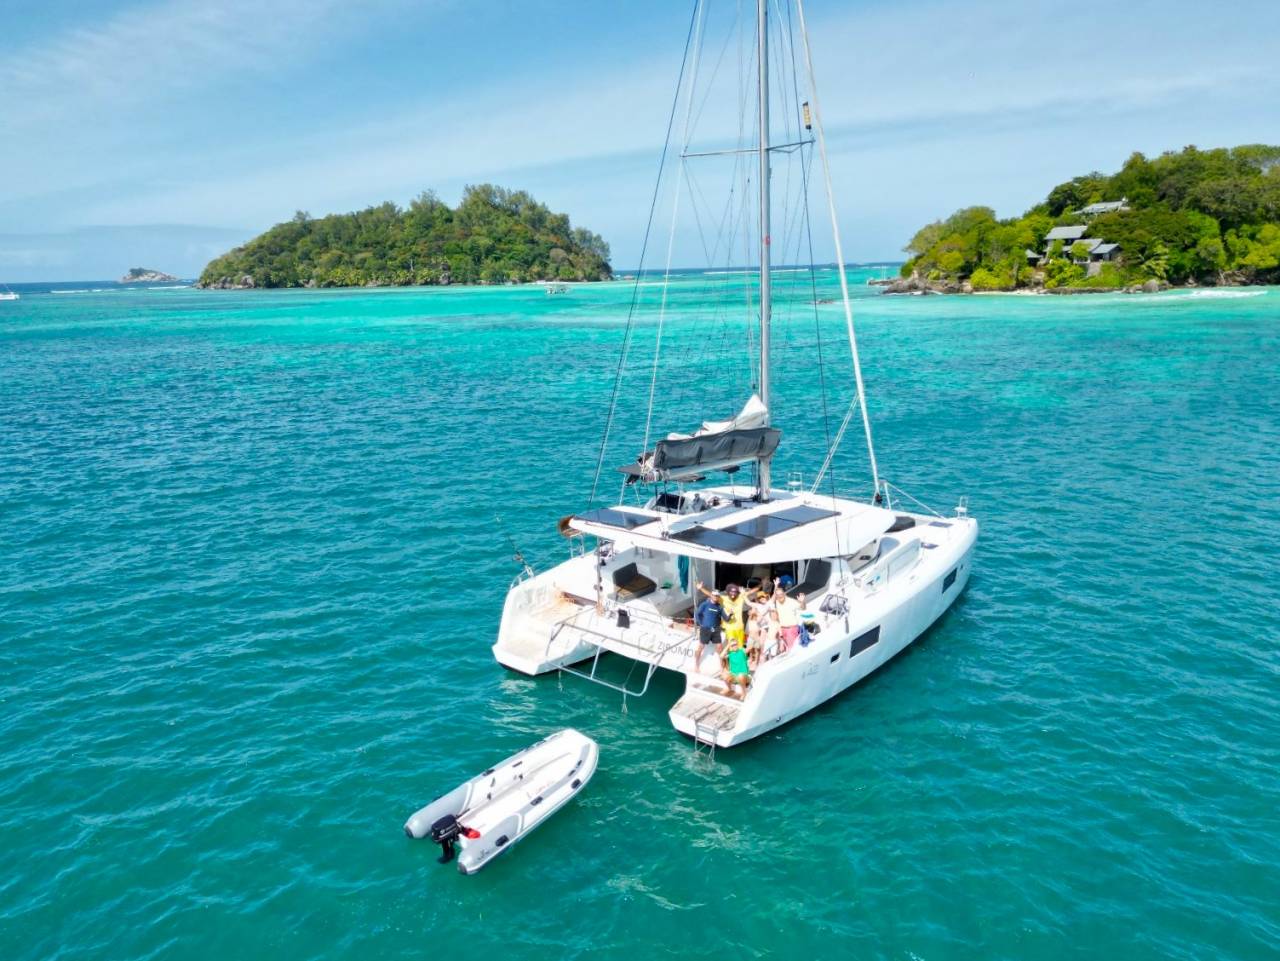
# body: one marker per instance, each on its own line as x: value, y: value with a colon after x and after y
x: 1068, y: 235
x: 1097, y: 253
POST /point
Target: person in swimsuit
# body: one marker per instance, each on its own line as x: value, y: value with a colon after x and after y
x: 770, y: 634
x: 753, y: 629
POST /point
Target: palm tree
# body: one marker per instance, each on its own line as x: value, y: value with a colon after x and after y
x: 1155, y: 261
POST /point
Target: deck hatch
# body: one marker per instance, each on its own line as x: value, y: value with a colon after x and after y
x: 612, y: 517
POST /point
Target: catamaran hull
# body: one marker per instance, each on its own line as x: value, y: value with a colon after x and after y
x: 914, y: 579
x: 528, y: 641
x: 879, y: 628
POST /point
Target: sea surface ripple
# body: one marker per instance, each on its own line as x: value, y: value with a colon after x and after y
x: 253, y: 551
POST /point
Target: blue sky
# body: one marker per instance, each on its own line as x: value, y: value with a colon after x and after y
x: 161, y: 133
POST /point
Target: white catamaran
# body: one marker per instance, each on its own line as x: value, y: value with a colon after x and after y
x: 874, y: 576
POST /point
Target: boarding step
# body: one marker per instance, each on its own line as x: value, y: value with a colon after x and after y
x: 710, y: 713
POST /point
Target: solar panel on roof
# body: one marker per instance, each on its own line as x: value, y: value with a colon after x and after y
x: 766, y: 525
x: 611, y: 517
x: 804, y: 514
x: 726, y: 540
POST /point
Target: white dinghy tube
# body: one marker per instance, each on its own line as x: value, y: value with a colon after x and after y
x: 485, y: 816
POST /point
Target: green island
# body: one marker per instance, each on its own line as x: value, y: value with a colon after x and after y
x: 1190, y: 217
x: 494, y: 236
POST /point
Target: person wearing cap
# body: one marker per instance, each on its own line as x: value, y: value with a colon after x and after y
x: 760, y: 599
x: 734, y: 603
x: 762, y: 635
x: 709, y: 617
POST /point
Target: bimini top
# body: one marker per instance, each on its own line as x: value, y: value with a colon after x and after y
x: 716, y: 445
x: 791, y: 527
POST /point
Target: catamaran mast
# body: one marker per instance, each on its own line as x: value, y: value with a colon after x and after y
x: 766, y: 305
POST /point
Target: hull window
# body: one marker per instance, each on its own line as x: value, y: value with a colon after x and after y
x: 864, y: 641
x: 949, y: 580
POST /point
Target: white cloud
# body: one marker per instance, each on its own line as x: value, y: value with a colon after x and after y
x: 156, y: 53
x: 992, y: 103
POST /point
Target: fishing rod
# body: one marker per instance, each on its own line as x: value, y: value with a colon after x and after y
x: 516, y: 554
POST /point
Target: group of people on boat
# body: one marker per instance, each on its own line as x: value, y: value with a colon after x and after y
x: 745, y: 627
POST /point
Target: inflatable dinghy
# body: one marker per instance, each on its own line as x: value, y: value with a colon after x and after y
x: 480, y: 819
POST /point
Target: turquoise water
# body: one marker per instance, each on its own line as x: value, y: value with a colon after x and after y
x: 250, y: 572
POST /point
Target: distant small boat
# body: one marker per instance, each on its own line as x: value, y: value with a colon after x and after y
x: 557, y: 289
x: 481, y: 818
x: 8, y: 294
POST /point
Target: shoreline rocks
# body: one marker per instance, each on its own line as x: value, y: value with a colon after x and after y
x: 917, y: 285
x: 245, y: 282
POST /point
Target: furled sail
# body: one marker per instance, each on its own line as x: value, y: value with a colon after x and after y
x: 716, y: 445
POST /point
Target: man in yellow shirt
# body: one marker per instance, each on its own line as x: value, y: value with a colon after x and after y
x: 733, y: 600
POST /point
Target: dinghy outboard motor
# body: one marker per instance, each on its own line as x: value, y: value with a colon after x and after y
x: 444, y: 832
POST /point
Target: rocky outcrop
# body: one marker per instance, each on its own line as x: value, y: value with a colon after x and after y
x: 915, y: 284
x: 244, y: 282
x: 143, y: 275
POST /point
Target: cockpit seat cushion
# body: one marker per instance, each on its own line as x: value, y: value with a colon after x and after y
x: 631, y: 583
x: 815, y: 579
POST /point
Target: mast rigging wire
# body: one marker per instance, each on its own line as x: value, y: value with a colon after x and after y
x: 675, y: 210
x: 644, y: 247
x: 835, y: 233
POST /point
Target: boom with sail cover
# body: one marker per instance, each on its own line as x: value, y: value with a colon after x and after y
x: 717, y: 445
